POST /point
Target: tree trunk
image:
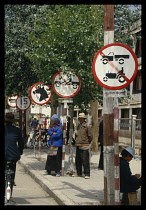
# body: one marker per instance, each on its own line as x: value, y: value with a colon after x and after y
x: 94, y: 122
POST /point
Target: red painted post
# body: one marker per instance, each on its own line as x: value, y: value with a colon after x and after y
x: 108, y: 117
x: 64, y: 136
x: 116, y: 152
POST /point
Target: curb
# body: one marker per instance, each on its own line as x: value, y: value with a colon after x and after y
x: 60, y: 198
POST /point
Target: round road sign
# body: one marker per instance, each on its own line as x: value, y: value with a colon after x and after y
x: 66, y: 85
x: 40, y: 93
x: 23, y: 102
x: 12, y: 100
x: 115, y: 66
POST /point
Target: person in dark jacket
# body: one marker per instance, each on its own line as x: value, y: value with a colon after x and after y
x: 34, y: 124
x: 13, y: 143
x: 128, y: 182
x: 100, y: 140
x: 53, y: 163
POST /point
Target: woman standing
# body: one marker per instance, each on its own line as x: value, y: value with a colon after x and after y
x: 53, y: 162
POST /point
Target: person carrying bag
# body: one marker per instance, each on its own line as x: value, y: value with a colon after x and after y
x: 54, y: 157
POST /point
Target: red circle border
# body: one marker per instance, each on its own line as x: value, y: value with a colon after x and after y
x: 38, y: 84
x: 62, y: 95
x: 22, y: 109
x: 135, y: 70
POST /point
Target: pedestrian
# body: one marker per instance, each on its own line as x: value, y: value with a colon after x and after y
x: 128, y: 182
x: 100, y: 141
x: 34, y: 124
x: 83, y: 140
x: 13, y: 144
x: 53, y: 162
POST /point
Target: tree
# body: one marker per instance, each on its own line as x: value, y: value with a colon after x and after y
x: 19, y: 74
x: 42, y: 39
x: 65, y: 39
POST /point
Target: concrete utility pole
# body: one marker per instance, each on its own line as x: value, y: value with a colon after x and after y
x: 108, y: 117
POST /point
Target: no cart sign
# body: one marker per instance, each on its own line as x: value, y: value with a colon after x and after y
x: 115, y: 66
x: 66, y: 85
x: 12, y: 100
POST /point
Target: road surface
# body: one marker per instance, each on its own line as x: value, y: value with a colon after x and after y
x: 28, y: 192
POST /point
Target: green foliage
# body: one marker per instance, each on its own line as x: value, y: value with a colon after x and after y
x: 43, y: 39
x: 67, y: 37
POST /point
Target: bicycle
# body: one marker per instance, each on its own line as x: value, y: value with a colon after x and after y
x: 8, y: 182
x: 34, y: 142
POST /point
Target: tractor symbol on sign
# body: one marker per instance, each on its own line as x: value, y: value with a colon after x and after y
x: 118, y: 75
x: 120, y: 58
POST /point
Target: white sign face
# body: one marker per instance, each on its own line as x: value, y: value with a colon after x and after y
x: 66, y: 86
x: 23, y: 102
x: 115, y: 66
x: 40, y: 93
x: 12, y: 101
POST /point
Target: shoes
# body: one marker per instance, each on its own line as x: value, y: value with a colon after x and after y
x: 14, y: 184
x: 58, y: 175
x: 47, y: 173
x: 87, y: 177
x: 76, y: 175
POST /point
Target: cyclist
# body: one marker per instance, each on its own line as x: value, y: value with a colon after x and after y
x: 13, y: 144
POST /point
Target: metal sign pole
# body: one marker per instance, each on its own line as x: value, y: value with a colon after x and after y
x: 64, y: 136
x: 22, y: 128
x: 39, y: 147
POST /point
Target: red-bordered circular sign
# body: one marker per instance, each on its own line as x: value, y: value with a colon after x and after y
x: 12, y: 100
x: 66, y: 85
x: 23, y: 102
x: 40, y: 93
x: 115, y: 66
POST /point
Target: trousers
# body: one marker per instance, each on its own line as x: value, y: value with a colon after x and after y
x: 82, y: 159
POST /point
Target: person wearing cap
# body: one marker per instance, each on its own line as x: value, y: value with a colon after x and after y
x: 83, y: 140
x: 13, y: 143
x: 53, y: 163
x: 128, y: 182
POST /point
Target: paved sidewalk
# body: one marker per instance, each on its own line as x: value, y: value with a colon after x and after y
x: 67, y: 190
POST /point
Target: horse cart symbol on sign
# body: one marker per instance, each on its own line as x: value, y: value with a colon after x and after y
x: 120, y: 58
x: 118, y: 75
x: 42, y: 92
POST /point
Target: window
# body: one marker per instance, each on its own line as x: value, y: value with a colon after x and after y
x: 137, y: 83
x: 124, y: 113
x: 137, y: 111
x: 138, y: 50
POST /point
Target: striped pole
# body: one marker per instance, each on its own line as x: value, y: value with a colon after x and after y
x: 22, y: 126
x: 108, y: 117
x: 64, y: 136
x: 39, y: 147
x: 116, y: 152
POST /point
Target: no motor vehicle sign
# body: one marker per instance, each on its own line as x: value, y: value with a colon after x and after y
x: 115, y: 66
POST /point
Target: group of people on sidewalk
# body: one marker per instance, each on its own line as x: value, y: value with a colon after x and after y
x: 14, y: 150
x: 83, y: 140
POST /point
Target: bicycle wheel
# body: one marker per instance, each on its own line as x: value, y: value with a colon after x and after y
x: 7, y: 189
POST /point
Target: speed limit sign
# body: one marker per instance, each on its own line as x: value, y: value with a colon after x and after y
x: 23, y: 102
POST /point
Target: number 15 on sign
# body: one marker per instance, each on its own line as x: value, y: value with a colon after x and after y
x: 23, y: 102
